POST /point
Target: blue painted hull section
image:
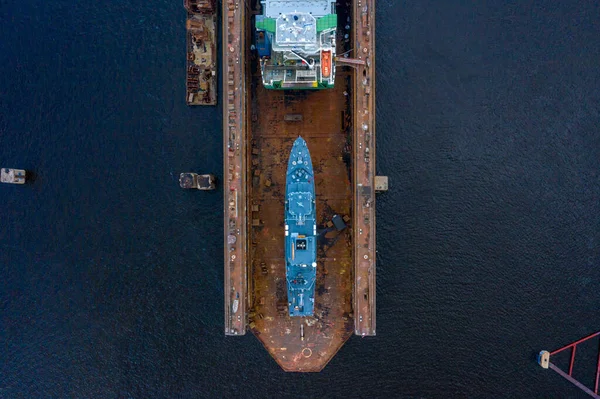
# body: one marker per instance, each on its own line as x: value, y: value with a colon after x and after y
x: 300, y: 231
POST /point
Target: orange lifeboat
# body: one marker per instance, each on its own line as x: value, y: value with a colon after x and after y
x: 325, y: 63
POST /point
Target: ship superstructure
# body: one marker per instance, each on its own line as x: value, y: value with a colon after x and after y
x: 300, y: 231
x: 296, y: 43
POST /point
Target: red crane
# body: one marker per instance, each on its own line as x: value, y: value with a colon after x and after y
x: 544, y: 361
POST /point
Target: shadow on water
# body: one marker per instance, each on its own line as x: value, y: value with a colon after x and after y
x: 31, y: 177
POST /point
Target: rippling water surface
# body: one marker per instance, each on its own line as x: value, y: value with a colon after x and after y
x: 488, y: 118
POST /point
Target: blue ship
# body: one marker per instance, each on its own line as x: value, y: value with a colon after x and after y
x: 300, y: 231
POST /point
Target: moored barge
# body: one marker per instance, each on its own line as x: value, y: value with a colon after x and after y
x: 201, y: 65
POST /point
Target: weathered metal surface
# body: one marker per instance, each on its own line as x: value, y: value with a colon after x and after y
x: 381, y: 184
x: 364, y: 169
x: 201, y: 45
x: 194, y: 180
x: 200, y: 6
x: 234, y: 167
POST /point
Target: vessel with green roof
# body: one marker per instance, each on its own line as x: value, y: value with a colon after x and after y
x: 295, y: 40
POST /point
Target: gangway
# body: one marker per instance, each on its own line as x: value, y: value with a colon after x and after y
x: 350, y: 61
x: 544, y: 361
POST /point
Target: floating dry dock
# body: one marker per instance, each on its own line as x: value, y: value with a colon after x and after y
x: 201, y: 76
x: 259, y: 128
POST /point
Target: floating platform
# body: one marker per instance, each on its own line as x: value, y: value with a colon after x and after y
x: 194, y: 180
x: 201, y: 75
x: 13, y: 176
x: 260, y: 126
x: 544, y: 359
x: 381, y: 184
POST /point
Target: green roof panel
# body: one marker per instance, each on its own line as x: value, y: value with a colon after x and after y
x: 328, y: 21
x: 267, y: 24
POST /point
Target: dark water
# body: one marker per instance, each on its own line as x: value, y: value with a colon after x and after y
x: 489, y: 238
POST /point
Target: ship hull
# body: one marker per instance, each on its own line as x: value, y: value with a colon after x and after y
x: 300, y: 231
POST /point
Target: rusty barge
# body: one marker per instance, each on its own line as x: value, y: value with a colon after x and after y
x: 259, y: 126
x: 201, y: 44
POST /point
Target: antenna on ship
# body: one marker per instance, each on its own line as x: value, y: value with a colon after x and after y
x: 544, y: 361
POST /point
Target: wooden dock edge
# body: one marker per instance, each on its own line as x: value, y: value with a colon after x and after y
x: 234, y: 168
x: 363, y: 236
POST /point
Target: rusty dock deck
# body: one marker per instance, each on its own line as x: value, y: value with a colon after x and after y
x: 364, y: 169
x: 201, y: 45
x: 299, y: 344
x: 234, y: 167
x: 259, y: 128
